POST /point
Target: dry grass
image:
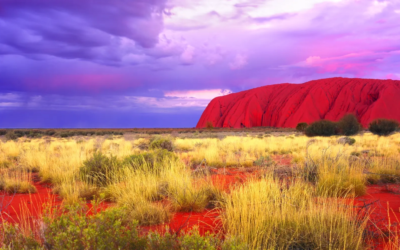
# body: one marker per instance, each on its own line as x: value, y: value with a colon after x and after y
x: 304, y: 212
x: 17, y: 181
x: 265, y: 215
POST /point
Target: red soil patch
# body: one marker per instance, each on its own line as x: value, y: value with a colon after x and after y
x: 19, y: 207
x: 206, y: 221
x: 383, y: 204
x: 25, y: 208
x: 282, y: 159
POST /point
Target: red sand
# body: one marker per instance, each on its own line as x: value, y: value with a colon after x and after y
x: 206, y: 221
x: 27, y: 206
x: 285, y: 105
x: 384, y: 214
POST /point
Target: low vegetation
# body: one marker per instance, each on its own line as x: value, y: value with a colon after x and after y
x: 321, y: 128
x: 285, y: 190
x: 301, y: 126
x: 383, y: 126
x: 347, y: 125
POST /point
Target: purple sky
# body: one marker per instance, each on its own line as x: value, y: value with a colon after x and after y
x: 157, y: 63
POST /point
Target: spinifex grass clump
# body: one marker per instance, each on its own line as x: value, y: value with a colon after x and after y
x: 99, y: 169
x: 187, y: 196
x: 267, y: 214
x: 383, y: 170
x: 16, y: 181
x: 152, y: 159
x: 161, y: 143
x: 331, y: 172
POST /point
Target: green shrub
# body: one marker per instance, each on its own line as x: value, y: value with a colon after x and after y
x: 3, y: 132
x: 101, y: 133
x: 301, y: 126
x: 12, y: 237
x: 151, y: 159
x: 50, y: 132
x: 346, y: 140
x: 349, y: 125
x: 64, y: 134
x: 383, y: 126
x: 161, y: 143
x: 321, y: 128
x: 192, y: 240
x: 20, y: 133
x: 34, y: 133
x: 99, y: 169
x: 11, y: 136
x: 73, y: 229
x: 264, y: 161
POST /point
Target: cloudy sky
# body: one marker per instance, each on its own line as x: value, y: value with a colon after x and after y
x: 158, y: 63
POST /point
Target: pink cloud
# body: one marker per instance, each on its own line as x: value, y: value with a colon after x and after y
x: 393, y: 76
x: 206, y: 94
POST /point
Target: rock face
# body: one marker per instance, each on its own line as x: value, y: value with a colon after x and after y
x: 285, y: 105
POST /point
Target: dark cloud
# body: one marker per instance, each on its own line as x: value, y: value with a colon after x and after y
x: 83, y: 29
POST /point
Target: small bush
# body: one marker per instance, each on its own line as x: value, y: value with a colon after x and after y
x: 321, y: 128
x: 161, y: 143
x: 64, y: 135
x: 209, y: 125
x: 101, y: 133
x: 264, y: 161
x: 346, y: 140
x: 20, y: 133
x: 146, y: 213
x: 50, y: 132
x: 105, y: 230
x: 150, y: 160
x: 98, y: 170
x: 383, y: 126
x: 349, y: 125
x: 13, y: 237
x: 3, y: 132
x: 301, y: 126
x: 19, y: 187
x: 186, y: 198
x: 10, y: 136
x: 192, y: 240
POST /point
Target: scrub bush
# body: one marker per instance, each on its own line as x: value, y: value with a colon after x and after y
x: 209, y: 125
x: 321, y: 128
x: 301, y: 126
x: 161, y: 143
x: 11, y: 136
x: 98, y: 170
x: 349, y: 125
x: 150, y: 159
x: 73, y: 229
x: 383, y: 126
